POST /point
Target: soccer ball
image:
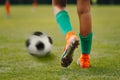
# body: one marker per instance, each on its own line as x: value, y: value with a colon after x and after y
x: 39, y: 44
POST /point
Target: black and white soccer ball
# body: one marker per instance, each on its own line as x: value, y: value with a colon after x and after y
x: 39, y: 44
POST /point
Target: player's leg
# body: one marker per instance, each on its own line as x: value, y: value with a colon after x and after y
x: 61, y: 15
x: 63, y: 20
x: 7, y: 5
x: 83, y: 8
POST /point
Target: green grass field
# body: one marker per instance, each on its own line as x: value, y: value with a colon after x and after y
x: 17, y: 64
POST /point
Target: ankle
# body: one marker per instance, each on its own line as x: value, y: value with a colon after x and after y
x: 69, y: 34
x: 85, y: 56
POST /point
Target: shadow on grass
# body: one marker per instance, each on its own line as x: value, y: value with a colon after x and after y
x: 104, y: 70
x: 49, y: 57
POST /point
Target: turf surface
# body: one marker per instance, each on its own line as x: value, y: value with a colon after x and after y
x: 17, y: 64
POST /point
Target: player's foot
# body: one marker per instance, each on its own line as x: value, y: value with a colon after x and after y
x: 72, y: 43
x: 84, y: 61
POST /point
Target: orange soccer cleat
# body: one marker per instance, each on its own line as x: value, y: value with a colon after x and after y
x: 84, y: 61
x: 72, y: 43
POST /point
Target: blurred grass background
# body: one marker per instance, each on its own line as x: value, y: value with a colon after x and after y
x: 17, y: 64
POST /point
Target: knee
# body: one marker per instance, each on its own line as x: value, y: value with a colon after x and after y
x: 83, y: 7
x: 84, y: 10
x: 58, y: 5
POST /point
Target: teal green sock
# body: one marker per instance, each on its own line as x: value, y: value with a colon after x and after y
x: 86, y: 42
x: 63, y: 21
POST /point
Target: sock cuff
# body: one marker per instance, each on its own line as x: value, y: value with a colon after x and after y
x: 87, y: 36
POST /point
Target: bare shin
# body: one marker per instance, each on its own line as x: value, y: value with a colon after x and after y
x: 83, y: 9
